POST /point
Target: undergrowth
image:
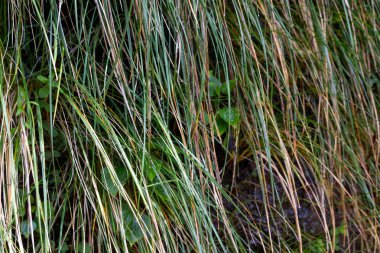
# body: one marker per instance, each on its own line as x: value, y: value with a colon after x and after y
x: 121, y: 121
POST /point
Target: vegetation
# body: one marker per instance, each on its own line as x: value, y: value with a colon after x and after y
x: 127, y: 125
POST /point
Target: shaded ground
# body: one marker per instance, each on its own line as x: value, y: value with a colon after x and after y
x: 277, y: 218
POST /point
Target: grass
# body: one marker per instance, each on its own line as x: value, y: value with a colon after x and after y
x: 122, y: 121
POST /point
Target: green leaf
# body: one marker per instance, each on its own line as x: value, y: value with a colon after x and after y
x: 127, y: 214
x: 315, y: 246
x: 21, y: 208
x: 160, y: 191
x: 32, y: 199
x: 373, y: 81
x: 46, y: 125
x: 230, y: 115
x: 52, y: 244
x: 13, y: 130
x: 228, y: 85
x: 214, y: 89
x: 151, y: 173
x: 51, y: 155
x: 147, y: 221
x: 26, y: 229
x: 214, y: 86
x: 43, y: 79
x: 84, y: 247
x: 21, y: 100
x: 49, y: 209
x: 340, y: 230
x: 221, y: 125
x: 153, y: 169
x: 44, y: 105
x: 213, y: 79
x: 43, y: 92
x: 54, y: 84
x: 206, y: 117
x: 64, y: 247
x: 19, y: 111
x: 134, y: 232
x: 122, y: 176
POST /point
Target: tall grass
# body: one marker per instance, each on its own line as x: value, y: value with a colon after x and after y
x: 110, y: 140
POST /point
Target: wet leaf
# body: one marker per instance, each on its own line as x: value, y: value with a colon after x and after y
x: 230, y: 115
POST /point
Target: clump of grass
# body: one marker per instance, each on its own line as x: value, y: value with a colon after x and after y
x: 120, y: 121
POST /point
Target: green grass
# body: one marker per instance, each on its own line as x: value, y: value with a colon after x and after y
x: 116, y: 137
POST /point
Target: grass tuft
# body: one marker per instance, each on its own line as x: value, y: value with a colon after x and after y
x: 189, y: 126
